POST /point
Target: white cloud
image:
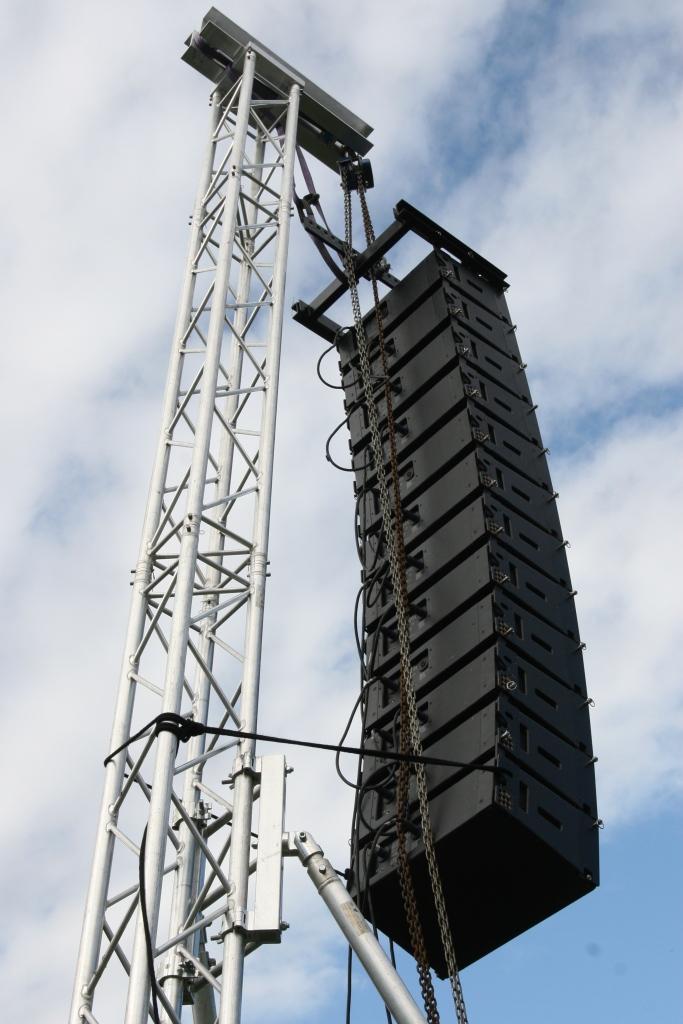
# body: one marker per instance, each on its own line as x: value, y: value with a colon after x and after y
x: 584, y: 215
x: 618, y: 502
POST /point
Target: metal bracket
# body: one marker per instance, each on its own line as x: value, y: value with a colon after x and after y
x: 356, y: 169
x: 244, y: 764
x: 264, y: 922
x: 505, y: 682
x: 406, y: 218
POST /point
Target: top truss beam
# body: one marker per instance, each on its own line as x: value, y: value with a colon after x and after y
x: 326, y: 129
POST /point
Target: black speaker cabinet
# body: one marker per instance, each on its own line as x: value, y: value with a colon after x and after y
x: 495, y: 647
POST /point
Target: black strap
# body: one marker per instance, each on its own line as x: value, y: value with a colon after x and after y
x: 320, y: 246
x: 310, y: 184
x: 304, y: 210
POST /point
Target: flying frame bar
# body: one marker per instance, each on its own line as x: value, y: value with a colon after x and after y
x: 406, y: 218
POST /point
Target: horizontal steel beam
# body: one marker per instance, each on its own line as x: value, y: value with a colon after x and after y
x: 363, y: 263
x: 437, y: 236
x: 319, y: 324
x: 312, y: 227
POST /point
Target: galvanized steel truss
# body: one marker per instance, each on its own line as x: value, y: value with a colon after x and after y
x: 194, y: 638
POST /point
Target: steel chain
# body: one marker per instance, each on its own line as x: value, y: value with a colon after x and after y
x: 400, y: 586
x: 405, y: 875
x: 397, y: 565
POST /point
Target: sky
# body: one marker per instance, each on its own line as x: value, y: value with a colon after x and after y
x: 546, y: 135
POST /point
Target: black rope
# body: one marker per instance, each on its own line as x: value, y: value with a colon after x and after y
x: 184, y: 728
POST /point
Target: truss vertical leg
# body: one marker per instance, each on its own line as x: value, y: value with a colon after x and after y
x: 233, y: 959
x: 187, y: 876
x: 160, y: 802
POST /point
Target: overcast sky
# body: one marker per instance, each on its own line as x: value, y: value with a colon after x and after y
x: 546, y: 135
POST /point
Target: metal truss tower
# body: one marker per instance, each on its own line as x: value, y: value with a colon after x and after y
x: 183, y: 910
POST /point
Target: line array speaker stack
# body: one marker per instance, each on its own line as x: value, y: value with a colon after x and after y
x: 496, y: 654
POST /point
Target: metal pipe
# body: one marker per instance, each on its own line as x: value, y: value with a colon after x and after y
x: 191, y: 929
x: 233, y: 955
x: 139, y: 985
x: 357, y: 932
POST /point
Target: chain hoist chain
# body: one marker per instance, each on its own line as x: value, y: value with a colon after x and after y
x: 407, y: 689
x: 404, y: 872
x: 406, y: 675
x: 408, y: 701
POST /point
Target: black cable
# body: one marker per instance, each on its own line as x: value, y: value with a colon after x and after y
x: 375, y: 932
x: 367, y: 786
x: 367, y: 894
x: 332, y: 387
x: 364, y: 593
x: 342, y: 469
x: 349, y: 968
x: 378, y: 537
x: 377, y: 577
x: 358, y: 636
x: 373, y: 576
x: 345, y: 733
x: 358, y: 532
x: 375, y: 643
x: 146, y: 929
x: 185, y: 728
x: 354, y: 860
x: 318, y: 365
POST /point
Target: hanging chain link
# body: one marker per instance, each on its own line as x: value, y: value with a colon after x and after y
x: 404, y: 872
x: 409, y: 719
x: 406, y: 681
